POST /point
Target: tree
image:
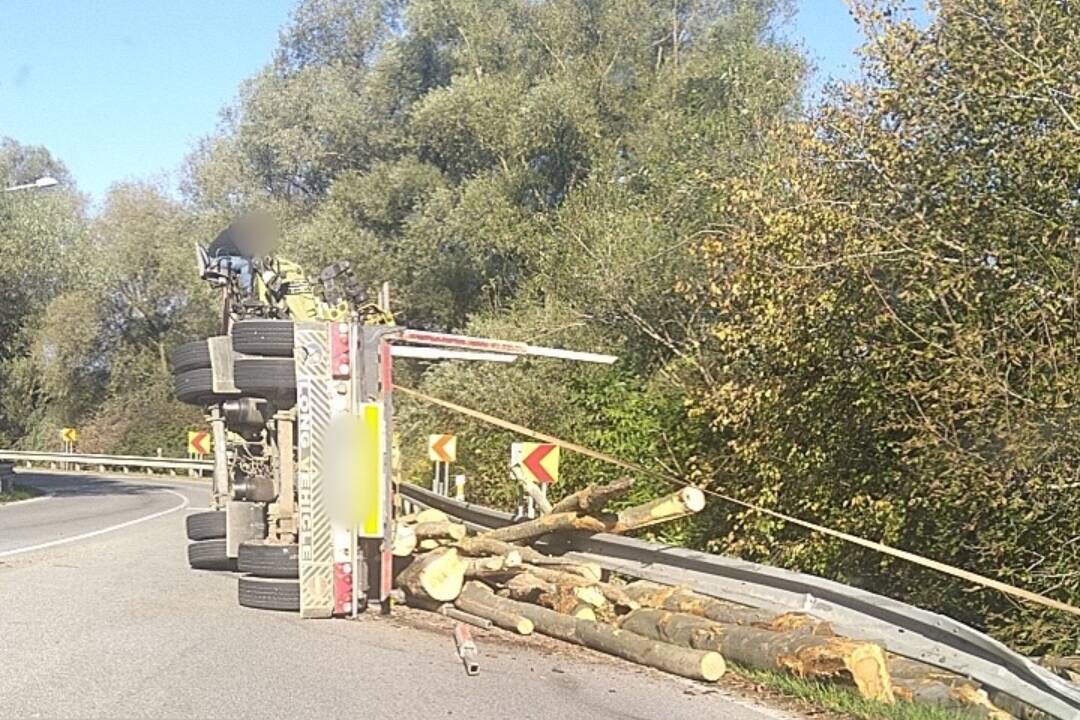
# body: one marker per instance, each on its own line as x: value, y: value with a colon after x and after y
x: 893, y: 321
x: 38, y: 229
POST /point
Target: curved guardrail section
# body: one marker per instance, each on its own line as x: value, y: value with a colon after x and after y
x: 901, y: 628
x: 105, y: 463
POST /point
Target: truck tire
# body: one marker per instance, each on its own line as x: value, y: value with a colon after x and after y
x: 205, y: 525
x: 271, y: 378
x: 273, y: 338
x: 209, y: 555
x: 262, y: 559
x: 194, y: 386
x: 190, y: 356
x: 269, y: 593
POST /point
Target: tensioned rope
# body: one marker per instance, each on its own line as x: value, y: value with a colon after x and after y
x: 967, y: 575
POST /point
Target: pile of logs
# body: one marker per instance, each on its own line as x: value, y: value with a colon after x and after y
x: 497, y: 575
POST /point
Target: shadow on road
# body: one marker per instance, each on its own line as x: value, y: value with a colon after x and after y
x: 84, y: 485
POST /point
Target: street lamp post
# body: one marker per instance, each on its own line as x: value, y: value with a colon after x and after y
x: 40, y: 184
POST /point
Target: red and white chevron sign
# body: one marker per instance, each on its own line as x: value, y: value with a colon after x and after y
x: 442, y: 448
x: 538, y: 461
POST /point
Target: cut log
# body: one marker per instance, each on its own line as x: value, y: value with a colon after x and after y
x: 565, y: 599
x: 692, y: 663
x: 583, y: 611
x: 556, y: 522
x: 527, y: 587
x: 544, y: 620
x: 499, y: 566
x: 441, y: 530
x: 696, y: 664
x: 439, y: 575
x: 478, y: 599
x: 431, y: 515
x: 608, y: 593
x: 404, y: 541
x: 863, y: 664
x: 480, y: 545
x: 678, y: 504
x: 679, y: 599
x: 587, y: 570
x: 925, y: 684
x: 428, y: 544
x: 593, y: 498
x: 688, y: 501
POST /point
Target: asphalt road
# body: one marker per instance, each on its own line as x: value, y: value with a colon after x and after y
x: 100, y: 617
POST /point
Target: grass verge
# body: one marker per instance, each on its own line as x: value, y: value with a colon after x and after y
x: 20, y: 492
x: 838, y: 699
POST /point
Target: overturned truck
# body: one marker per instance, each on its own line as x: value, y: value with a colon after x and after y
x: 298, y: 394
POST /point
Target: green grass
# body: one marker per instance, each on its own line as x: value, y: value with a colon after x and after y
x: 839, y: 699
x: 21, y: 492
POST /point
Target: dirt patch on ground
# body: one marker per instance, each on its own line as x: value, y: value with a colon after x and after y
x: 732, y: 685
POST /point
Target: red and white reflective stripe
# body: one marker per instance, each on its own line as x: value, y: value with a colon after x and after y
x: 575, y: 355
x: 431, y: 353
x: 386, y: 382
x: 511, y: 347
x: 340, y: 363
x: 422, y: 337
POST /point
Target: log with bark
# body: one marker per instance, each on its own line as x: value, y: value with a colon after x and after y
x: 809, y: 656
x: 404, y: 541
x: 435, y: 576
x: 679, y: 599
x: 495, y: 566
x: 478, y: 599
x: 531, y: 530
x: 480, y: 545
x: 527, y: 587
x: 682, y: 503
x: 431, y: 515
x: 610, y: 593
x: 687, y: 662
x: 544, y: 620
x: 924, y: 684
x: 439, y: 530
x: 594, y: 498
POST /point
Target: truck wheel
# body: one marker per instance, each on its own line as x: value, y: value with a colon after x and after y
x: 262, y: 559
x: 190, y: 356
x: 209, y: 555
x: 194, y: 386
x: 273, y: 338
x: 205, y: 525
x: 271, y: 378
x: 269, y: 593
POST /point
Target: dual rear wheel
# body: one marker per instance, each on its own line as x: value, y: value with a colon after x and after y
x: 272, y: 571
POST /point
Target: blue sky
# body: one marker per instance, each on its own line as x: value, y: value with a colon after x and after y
x: 121, y: 89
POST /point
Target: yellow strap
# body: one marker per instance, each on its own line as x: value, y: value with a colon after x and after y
x: 971, y: 577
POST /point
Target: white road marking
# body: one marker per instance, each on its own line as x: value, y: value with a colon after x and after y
x: 75, y: 538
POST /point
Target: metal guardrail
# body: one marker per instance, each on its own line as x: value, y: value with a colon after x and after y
x: 107, y: 463
x: 7, y: 478
x: 901, y: 628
